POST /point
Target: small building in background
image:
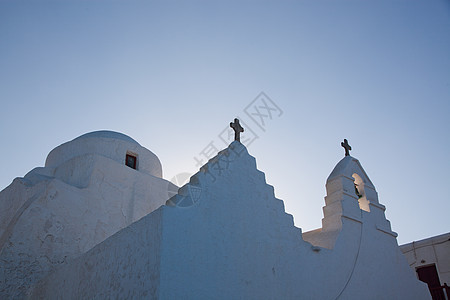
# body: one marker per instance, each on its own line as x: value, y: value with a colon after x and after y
x: 430, y: 259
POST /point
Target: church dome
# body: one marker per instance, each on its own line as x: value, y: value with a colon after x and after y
x: 107, y: 134
x: 114, y: 145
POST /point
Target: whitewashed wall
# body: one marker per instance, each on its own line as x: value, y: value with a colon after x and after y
x: 83, y: 195
x: 225, y: 236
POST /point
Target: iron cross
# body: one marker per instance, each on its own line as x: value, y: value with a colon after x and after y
x: 237, y: 129
x: 347, y: 147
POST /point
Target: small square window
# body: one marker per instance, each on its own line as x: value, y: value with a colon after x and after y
x: 130, y: 160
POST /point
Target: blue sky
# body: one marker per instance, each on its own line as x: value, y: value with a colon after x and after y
x: 173, y: 74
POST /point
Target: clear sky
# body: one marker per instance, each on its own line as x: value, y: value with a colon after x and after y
x: 172, y: 75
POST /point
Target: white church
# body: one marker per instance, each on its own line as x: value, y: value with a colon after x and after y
x: 97, y: 222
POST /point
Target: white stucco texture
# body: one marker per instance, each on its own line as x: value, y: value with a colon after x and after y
x: 226, y: 236
x: 110, y: 144
x: 83, y: 195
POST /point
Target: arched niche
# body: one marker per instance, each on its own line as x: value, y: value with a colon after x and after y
x: 360, y: 193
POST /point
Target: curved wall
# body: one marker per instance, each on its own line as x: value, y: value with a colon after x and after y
x: 110, y: 144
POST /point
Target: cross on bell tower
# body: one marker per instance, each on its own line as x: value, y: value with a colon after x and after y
x: 347, y: 147
x: 237, y: 129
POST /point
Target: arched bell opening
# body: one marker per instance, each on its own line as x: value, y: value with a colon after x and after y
x: 360, y: 193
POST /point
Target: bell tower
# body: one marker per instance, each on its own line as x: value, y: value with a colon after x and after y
x: 351, y: 199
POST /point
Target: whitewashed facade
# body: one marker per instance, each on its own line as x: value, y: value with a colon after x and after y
x: 430, y: 260
x: 83, y: 195
x: 223, y: 236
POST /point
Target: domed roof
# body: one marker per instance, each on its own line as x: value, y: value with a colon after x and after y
x: 107, y: 134
x: 110, y: 144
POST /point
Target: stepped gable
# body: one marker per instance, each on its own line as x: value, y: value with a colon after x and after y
x: 225, y: 235
x: 228, y: 163
x: 351, y: 195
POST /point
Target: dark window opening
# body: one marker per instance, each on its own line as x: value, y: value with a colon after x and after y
x: 130, y: 160
x: 429, y: 275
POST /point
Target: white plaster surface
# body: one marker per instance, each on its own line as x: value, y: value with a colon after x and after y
x: 126, y: 266
x: 225, y: 236
x: 82, y: 196
x: 113, y: 145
